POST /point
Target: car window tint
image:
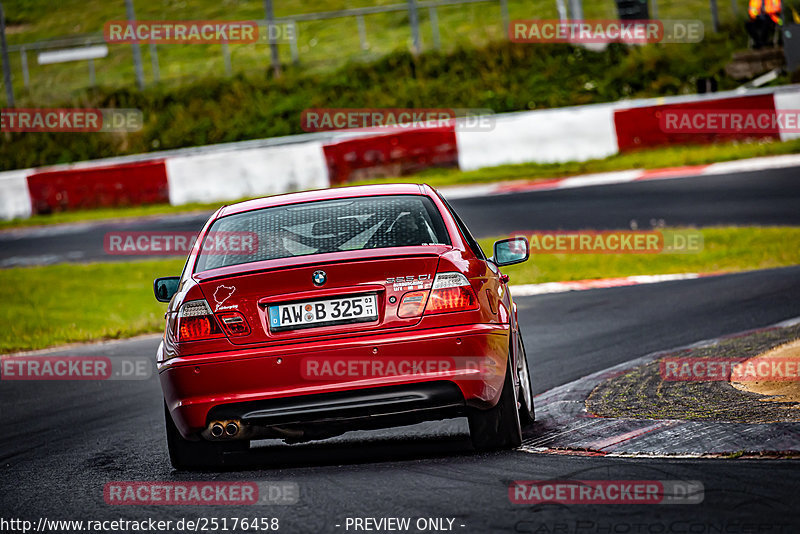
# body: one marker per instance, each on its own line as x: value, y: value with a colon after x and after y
x: 328, y: 226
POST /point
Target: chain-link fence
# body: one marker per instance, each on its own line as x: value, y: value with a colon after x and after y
x: 320, y: 41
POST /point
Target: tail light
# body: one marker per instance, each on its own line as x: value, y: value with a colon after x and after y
x: 451, y: 292
x: 413, y: 304
x: 234, y: 323
x: 195, y: 322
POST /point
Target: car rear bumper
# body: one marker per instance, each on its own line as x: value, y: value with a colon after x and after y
x: 370, y: 381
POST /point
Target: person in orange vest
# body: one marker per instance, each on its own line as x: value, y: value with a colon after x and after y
x: 765, y: 15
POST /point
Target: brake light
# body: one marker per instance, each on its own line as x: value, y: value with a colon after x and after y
x: 195, y: 322
x: 413, y: 304
x: 234, y: 323
x: 451, y: 292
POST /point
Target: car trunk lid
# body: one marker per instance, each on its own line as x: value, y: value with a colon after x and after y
x: 267, y: 291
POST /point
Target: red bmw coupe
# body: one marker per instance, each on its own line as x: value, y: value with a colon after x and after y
x: 305, y: 315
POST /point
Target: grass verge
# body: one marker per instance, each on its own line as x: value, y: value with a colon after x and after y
x: 675, y: 156
x: 53, y: 305
x: 58, y: 304
x: 726, y: 249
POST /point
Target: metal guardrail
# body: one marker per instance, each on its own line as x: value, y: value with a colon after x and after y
x: 79, y: 40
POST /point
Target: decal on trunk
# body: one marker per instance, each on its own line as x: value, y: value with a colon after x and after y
x: 221, y: 294
x: 399, y: 283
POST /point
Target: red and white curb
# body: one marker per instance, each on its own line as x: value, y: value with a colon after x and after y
x: 621, y: 177
x: 231, y: 171
x: 528, y: 290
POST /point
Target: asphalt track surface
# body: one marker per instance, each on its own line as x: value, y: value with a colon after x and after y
x: 762, y: 198
x: 62, y: 441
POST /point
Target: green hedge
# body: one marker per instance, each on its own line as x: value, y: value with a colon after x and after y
x: 502, y: 76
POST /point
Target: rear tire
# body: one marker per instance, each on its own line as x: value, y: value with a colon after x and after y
x: 185, y: 454
x: 498, y: 427
x: 527, y: 414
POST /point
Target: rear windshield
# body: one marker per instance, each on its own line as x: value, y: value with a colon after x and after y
x: 325, y: 226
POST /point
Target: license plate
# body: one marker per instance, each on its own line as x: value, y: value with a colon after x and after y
x: 329, y: 312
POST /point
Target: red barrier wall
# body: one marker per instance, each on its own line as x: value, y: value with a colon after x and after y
x: 640, y: 127
x: 391, y: 154
x: 118, y: 185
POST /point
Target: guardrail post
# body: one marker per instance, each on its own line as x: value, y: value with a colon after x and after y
x: 714, y: 16
x: 504, y: 16
x: 273, y: 44
x: 137, y: 52
x: 562, y: 10
x: 362, y: 32
x: 226, y: 58
x: 23, y: 57
x: 434, y: 16
x: 576, y: 9
x: 6, y: 64
x: 413, y: 19
x: 154, y: 62
x: 293, y: 44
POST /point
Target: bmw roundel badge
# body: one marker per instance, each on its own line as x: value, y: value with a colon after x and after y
x: 319, y: 278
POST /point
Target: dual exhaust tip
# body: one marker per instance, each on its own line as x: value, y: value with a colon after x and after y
x: 230, y: 429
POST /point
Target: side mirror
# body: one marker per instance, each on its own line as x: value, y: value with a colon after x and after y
x: 166, y: 287
x: 511, y: 251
